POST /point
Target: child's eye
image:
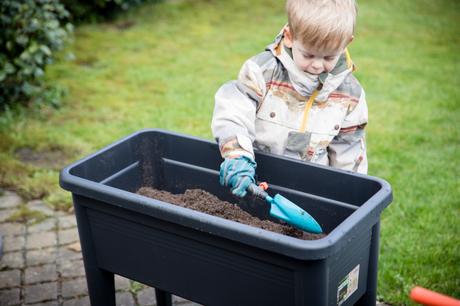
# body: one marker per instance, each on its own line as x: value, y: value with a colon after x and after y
x: 329, y: 58
x: 308, y: 56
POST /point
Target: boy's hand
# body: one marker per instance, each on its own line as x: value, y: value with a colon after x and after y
x: 237, y: 173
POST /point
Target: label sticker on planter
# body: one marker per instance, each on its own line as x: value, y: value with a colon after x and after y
x: 348, y: 285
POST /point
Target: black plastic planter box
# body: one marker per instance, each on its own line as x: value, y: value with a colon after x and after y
x: 214, y: 261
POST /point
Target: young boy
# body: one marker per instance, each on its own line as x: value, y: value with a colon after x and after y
x: 298, y: 98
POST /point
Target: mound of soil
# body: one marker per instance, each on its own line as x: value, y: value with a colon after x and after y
x: 200, y: 200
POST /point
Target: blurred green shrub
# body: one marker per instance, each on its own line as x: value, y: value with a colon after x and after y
x: 93, y: 10
x: 31, y: 30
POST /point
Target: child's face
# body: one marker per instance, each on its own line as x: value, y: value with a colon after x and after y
x: 314, y: 60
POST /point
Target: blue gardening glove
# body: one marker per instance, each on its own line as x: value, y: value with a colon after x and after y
x: 238, y: 174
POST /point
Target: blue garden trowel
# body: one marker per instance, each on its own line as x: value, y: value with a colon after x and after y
x: 283, y: 209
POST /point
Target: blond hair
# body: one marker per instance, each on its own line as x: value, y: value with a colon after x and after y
x: 325, y: 24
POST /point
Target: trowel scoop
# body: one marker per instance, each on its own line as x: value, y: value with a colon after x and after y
x: 283, y: 209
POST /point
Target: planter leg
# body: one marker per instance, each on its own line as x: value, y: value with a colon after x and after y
x: 163, y: 298
x: 101, y: 283
x: 370, y: 297
x: 101, y: 287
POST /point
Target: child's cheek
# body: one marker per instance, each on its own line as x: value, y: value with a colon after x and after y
x: 301, y: 64
x: 329, y: 67
x: 299, y: 61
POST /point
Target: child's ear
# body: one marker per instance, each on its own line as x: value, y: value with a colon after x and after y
x: 349, y: 42
x: 288, y: 40
x: 351, y: 39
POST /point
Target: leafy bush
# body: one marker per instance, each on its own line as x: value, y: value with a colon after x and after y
x: 84, y: 10
x: 31, y: 30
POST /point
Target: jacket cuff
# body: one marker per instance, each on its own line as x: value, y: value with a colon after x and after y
x: 237, y: 146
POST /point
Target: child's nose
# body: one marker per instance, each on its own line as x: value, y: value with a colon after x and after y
x: 317, y: 64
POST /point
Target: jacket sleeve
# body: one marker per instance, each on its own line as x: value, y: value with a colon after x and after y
x: 233, y: 121
x: 347, y: 150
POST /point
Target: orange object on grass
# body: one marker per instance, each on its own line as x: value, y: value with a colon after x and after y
x: 431, y: 298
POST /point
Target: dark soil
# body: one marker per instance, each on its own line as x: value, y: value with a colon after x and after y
x: 205, y: 202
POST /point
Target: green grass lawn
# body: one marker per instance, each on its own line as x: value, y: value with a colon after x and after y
x: 163, y: 71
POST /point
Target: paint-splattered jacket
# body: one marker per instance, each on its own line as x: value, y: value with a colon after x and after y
x: 269, y: 108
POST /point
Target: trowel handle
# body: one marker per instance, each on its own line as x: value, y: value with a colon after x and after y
x: 257, y: 191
